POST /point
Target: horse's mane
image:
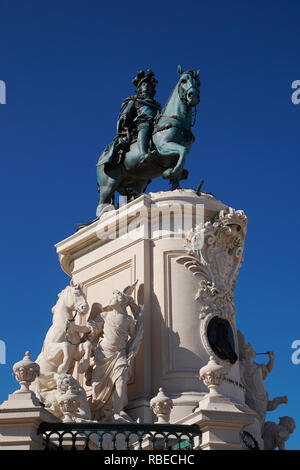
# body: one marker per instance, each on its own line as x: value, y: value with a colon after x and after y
x: 169, y: 99
x: 193, y: 73
x: 59, y: 295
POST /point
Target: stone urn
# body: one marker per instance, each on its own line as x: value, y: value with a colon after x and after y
x: 69, y: 404
x: 161, y: 405
x: 213, y: 375
x: 26, y: 371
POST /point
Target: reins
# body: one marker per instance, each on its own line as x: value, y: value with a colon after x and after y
x: 175, y: 116
x: 82, y: 340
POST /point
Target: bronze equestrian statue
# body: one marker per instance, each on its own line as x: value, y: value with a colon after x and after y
x: 150, y: 142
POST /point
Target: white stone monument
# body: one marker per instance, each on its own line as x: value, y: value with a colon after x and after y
x: 165, y: 348
x: 175, y: 345
x: 184, y: 251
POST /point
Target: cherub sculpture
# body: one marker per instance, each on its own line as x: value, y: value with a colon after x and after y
x: 276, y: 435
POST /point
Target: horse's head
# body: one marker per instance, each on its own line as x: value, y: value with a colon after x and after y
x: 75, y: 298
x: 189, y: 86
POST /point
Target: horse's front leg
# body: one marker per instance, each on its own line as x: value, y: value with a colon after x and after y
x: 170, y: 149
x: 176, y: 172
x: 64, y: 366
x: 85, y: 349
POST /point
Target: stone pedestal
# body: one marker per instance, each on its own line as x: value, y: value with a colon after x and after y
x: 20, y: 417
x: 145, y: 241
x: 221, y: 422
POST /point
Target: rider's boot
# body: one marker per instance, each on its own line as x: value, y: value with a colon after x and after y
x: 143, y: 142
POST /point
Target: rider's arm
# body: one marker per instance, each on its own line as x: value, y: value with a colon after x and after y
x: 127, y: 114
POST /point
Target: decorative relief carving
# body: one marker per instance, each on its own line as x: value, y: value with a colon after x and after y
x: 215, y: 254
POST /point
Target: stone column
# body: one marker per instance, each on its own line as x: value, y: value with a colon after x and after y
x: 183, y: 286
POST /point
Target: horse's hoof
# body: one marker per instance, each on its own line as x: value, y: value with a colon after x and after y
x: 167, y: 173
x: 184, y: 174
x: 102, y: 208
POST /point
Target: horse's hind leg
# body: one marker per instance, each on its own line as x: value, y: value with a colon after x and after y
x: 135, y: 189
x: 63, y: 368
x: 108, y: 182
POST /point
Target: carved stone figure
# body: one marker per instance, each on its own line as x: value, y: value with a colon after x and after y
x: 65, y: 342
x: 253, y: 376
x: 119, y: 336
x: 276, y: 435
x: 128, y: 164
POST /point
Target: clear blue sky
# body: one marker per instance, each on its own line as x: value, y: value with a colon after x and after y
x: 68, y: 65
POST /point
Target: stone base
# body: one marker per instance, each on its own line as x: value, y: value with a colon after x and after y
x: 220, y: 421
x: 20, y: 417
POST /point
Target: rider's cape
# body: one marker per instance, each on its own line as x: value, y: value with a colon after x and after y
x: 110, y: 150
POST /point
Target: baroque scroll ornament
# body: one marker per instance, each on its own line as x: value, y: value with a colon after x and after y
x: 215, y: 254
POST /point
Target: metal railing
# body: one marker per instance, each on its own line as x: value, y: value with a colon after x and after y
x: 131, y: 436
